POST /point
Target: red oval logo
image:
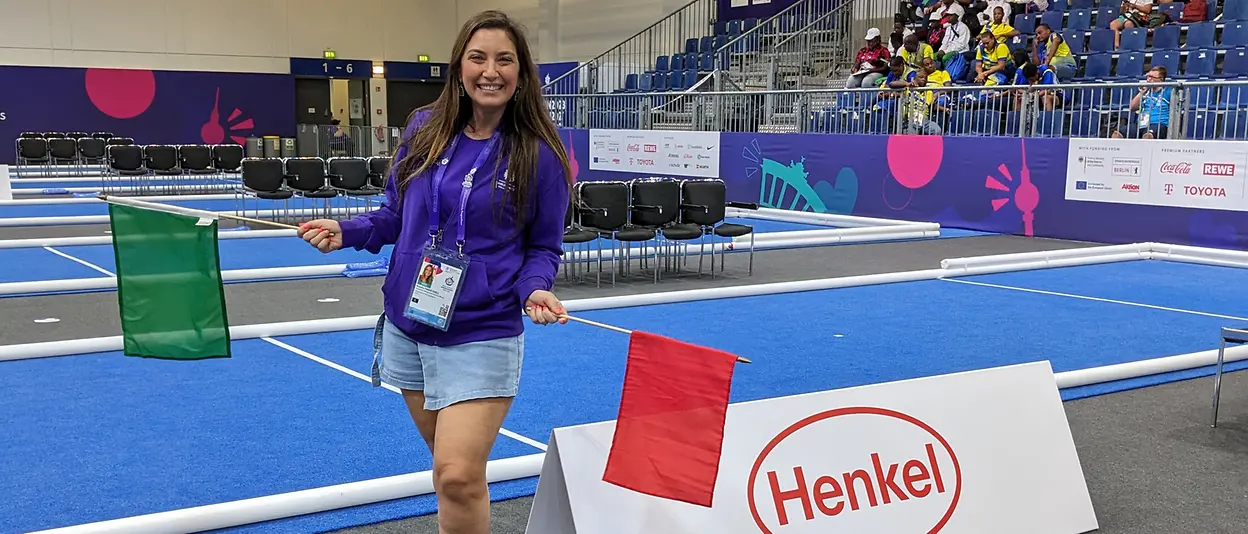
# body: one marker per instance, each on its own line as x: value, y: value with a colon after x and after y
x: 906, y: 473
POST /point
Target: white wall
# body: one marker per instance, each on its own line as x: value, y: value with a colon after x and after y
x: 261, y: 35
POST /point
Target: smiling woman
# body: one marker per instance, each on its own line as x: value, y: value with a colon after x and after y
x: 475, y: 204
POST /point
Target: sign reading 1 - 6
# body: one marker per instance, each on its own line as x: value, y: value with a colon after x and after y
x: 331, y: 68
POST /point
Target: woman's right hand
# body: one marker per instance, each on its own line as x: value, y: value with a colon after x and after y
x: 324, y: 234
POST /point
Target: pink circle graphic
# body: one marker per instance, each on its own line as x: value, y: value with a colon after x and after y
x: 120, y: 93
x: 914, y: 159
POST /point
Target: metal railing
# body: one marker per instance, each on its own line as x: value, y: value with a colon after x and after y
x: 610, y: 70
x: 806, y: 45
x: 1200, y: 109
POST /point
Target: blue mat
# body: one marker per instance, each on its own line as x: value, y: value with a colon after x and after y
x: 34, y: 264
x: 153, y: 435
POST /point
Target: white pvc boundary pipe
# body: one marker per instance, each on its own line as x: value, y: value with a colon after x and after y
x: 39, y: 242
x: 93, y: 200
x: 108, y: 282
x: 295, y: 503
x: 11, y: 222
x: 821, y: 219
x: 28, y: 192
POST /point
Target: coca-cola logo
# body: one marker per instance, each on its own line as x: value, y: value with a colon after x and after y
x: 634, y: 147
x: 1182, y: 167
x: 795, y: 486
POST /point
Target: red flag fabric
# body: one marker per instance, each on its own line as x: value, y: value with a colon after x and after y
x: 670, y: 429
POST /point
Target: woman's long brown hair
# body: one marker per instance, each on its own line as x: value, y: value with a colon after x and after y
x: 525, y: 123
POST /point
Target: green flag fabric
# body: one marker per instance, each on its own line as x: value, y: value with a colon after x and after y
x: 169, y: 288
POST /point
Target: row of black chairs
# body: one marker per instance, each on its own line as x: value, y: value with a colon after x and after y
x: 58, y: 151
x: 355, y: 178
x: 670, y: 213
x: 167, y: 160
x: 71, y: 135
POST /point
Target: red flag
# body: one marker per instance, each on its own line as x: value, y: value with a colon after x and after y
x: 670, y: 429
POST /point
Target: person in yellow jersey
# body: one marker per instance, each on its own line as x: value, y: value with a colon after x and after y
x: 999, y: 28
x: 936, y: 76
x: 1052, y: 52
x: 918, y: 103
x: 992, y: 59
x: 913, y: 51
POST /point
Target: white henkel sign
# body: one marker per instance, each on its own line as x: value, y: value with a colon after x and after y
x: 973, y: 452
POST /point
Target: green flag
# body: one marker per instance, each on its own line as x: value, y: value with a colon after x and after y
x: 169, y: 289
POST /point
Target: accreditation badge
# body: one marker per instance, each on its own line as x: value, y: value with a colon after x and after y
x: 436, y: 289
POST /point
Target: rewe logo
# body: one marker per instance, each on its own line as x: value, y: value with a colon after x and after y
x: 1183, y: 167
x: 1219, y: 169
x: 858, y: 469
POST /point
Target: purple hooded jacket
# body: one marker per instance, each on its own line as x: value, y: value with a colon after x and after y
x: 508, y: 262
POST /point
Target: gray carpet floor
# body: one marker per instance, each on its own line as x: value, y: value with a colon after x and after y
x: 1152, y: 463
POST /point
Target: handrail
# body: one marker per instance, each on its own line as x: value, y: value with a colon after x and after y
x: 758, y: 28
x: 622, y: 43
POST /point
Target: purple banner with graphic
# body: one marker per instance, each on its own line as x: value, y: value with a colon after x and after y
x: 172, y: 107
x: 1000, y: 185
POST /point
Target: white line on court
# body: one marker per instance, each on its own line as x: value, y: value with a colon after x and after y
x: 323, y: 361
x: 1098, y: 299
x: 79, y: 260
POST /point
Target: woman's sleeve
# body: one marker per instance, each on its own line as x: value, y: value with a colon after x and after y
x: 380, y: 227
x: 544, y: 236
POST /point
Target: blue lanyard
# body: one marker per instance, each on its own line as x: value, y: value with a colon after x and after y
x: 435, y: 233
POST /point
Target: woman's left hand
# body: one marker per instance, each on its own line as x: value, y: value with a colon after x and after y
x: 544, y: 308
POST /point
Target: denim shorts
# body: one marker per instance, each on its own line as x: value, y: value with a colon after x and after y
x: 447, y: 375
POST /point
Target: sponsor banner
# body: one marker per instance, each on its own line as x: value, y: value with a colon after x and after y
x: 1185, y: 174
x: 980, y: 451
x: 6, y: 191
x: 655, y: 152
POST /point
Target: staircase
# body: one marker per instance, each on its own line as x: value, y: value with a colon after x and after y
x: 809, y: 45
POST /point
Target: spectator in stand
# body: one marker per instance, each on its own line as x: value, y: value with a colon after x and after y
x: 1133, y: 14
x: 1052, y: 52
x: 999, y: 28
x: 936, y: 12
x: 956, y: 44
x: 985, y: 16
x: 897, y: 38
x: 992, y: 60
x: 936, y: 76
x: 913, y: 51
x: 872, y: 62
x: 1030, y: 76
x: 918, y: 102
x: 1153, y: 105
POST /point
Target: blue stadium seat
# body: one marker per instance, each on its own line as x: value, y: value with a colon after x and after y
x: 1104, y: 15
x: 1234, y: 35
x: 662, y: 80
x: 1083, y: 4
x: 1130, y: 67
x: 645, y: 82
x: 1060, y: 6
x: 1102, y: 40
x: 1025, y: 23
x: 630, y: 83
x: 1096, y: 67
x: 691, y: 45
x: 1085, y: 123
x: 1085, y: 98
x: 1079, y: 20
x: 1133, y: 39
x: 1050, y: 124
x: 1074, y: 41
x: 1120, y: 98
x: 1200, y: 97
x: 1173, y: 9
x: 1235, y: 125
x: 1018, y: 42
x: 1233, y: 97
x: 961, y: 123
x: 846, y: 101
x: 707, y: 62
x: 1166, y: 37
x: 677, y: 62
x: 1201, y: 125
x: 706, y: 44
x: 1054, y: 19
x: 1231, y: 10
x: 1199, y: 35
x: 660, y: 64
x: 1234, y: 64
x: 1200, y: 64
x: 1169, y: 59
